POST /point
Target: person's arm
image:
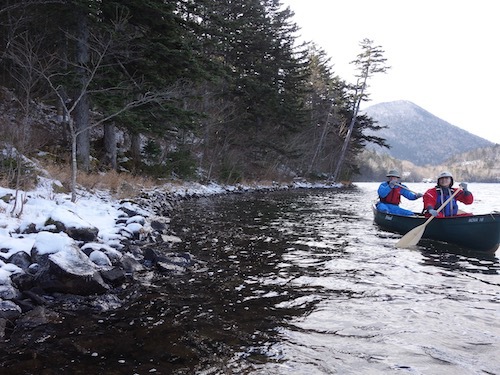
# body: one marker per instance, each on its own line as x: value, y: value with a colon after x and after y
x: 465, y: 196
x: 384, y: 189
x: 430, y: 199
x: 409, y: 194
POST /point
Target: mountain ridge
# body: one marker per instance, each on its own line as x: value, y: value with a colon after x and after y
x: 416, y: 135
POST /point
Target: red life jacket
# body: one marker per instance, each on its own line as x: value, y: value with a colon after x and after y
x: 394, y: 197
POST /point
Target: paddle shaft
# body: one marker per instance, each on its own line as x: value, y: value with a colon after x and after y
x: 412, y: 237
x: 447, y: 201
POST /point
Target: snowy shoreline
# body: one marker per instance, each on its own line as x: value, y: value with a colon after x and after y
x: 49, y: 245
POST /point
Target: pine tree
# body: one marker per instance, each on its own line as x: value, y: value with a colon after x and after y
x: 370, y: 61
x: 260, y: 77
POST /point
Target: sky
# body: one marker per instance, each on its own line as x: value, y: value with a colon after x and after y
x: 443, y: 54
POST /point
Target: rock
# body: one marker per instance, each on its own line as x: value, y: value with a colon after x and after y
x: 73, y: 225
x: 69, y: 271
x: 180, y: 259
x: 8, y: 291
x: 174, y: 262
x: 99, y: 258
x: 159, y: 226
x: 35, y: 297
x: 7, y: 197
x: 83, y: 234
x: 3, y: 327
x: 136, y: 219
x: 23, y: 281
x: 21, y: 259
x: 136, y: 229
x: 115, y: 276
x: 38, y: 316
x: 150, y: 256
x: 33, y: 268
x: 121, y: 221
x: 56, y: 279
x: 170, y: 238
x: 9, y: 310
x: 128, y: 212
x: 30, y: 228
x: 24, y: 304
x: 130, y: 264
x: 126, y: 233
x: 169, y: 267
x: 112, y: 254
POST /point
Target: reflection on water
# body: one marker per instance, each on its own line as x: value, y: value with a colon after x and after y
x: 340, y: 297
x: 298, y: 282
x: 454, y: 258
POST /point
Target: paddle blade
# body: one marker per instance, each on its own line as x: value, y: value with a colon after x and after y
x: 412, y: 237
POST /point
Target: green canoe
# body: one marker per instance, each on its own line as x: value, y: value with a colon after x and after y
x: 476, y: 232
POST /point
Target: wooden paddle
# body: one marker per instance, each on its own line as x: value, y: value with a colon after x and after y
x: 412, y: 237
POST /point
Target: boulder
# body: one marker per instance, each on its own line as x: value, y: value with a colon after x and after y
x: 64, y: 220
x: 66, y: 269
x: 9, y: 310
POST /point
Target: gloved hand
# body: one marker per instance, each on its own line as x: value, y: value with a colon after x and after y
x: 433, y: 212
x: 392, y: 183
x: 419, y: 195
x: 463, y: 185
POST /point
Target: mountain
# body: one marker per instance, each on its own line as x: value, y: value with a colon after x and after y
x: 418, y: 136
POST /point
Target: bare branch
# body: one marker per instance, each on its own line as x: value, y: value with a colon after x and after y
x: 27, y: 3
x: 147, y: 98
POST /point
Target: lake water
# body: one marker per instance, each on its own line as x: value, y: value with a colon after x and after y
x: 298, y: 282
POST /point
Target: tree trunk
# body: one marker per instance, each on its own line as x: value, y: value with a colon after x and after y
x: 338, y: 169
x: 73, y: 161
x: 135, y: 150
x: 83, y: 138
x: 82, y: 107
x: 110, y: 148
x: 321, y: 140
x: 340, y: 162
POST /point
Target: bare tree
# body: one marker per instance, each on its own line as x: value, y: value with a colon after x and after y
x: 26, y: 3
x: 51, y: 68
x: 159, y: 97
x: 22, y: 53
x: 370, y: 61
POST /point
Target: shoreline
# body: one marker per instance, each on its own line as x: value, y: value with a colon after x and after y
x: 93, y: 250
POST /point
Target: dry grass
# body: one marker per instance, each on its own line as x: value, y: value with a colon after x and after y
x: 4, y: 181
x: 122, y: 185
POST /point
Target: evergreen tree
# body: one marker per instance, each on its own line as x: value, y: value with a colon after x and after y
x: 221, y: 79
x: 261, y: 78
x: 370, y: 61
x: 326, y: 99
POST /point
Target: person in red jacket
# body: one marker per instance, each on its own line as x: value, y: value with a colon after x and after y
x: 436, y: 196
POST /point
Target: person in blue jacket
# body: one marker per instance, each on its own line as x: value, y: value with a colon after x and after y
x: 389, y: 193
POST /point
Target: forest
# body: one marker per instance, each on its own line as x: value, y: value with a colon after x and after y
x: 190, y: 89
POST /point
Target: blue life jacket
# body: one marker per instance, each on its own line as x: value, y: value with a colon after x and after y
x: 443, y: 194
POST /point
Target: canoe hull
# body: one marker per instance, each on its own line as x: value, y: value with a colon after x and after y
x: 476, y: 232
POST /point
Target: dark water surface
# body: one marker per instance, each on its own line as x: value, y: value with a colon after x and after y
x: 298, y: 282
